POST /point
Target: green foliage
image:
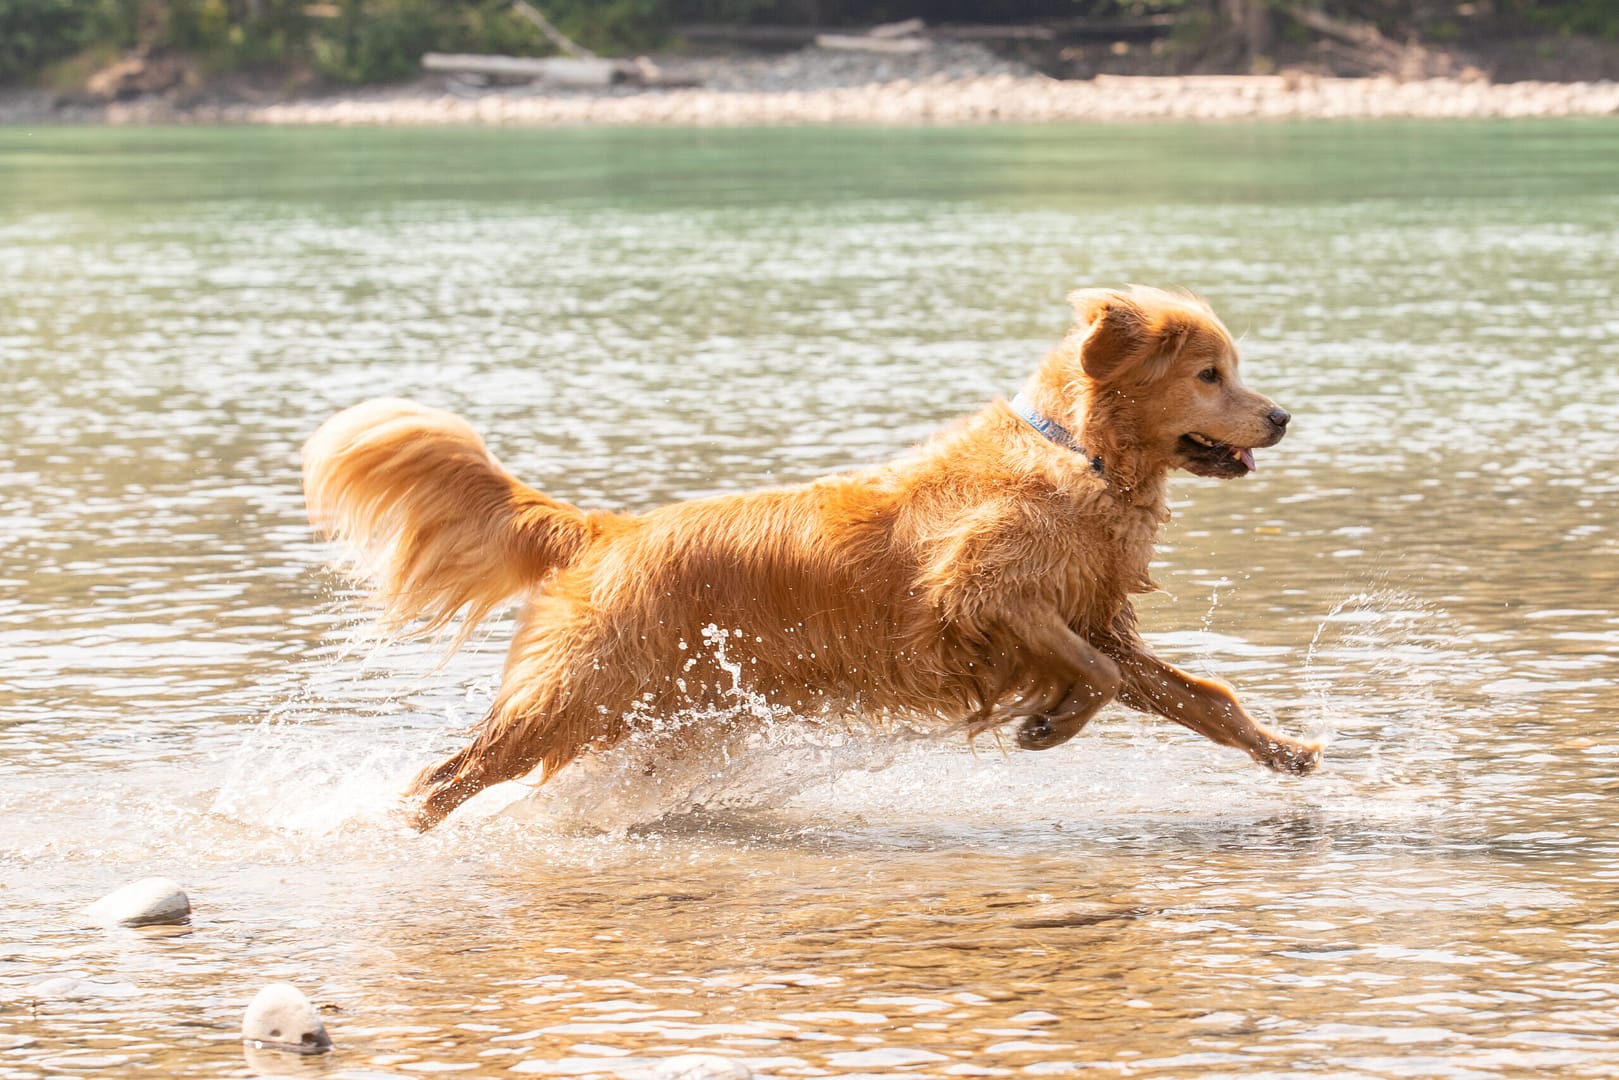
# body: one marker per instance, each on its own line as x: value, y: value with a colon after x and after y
x: 35, y: 32
x: 1597, y: 17
x: 611, y: 26
x: 350, y: 40
x: 375, y: 42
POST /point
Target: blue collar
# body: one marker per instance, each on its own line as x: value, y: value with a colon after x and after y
x: 1054, y: 431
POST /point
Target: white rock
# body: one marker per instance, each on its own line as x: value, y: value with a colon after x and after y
x: 147, y: 902
x: 60, y: 988
x: 281, y: 1018
x: 70, y: 988
x: 696, y: 1067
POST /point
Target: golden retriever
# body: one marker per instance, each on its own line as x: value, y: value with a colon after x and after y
x: 983, y: 578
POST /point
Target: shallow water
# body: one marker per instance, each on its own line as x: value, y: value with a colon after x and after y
x: 1424, y: 573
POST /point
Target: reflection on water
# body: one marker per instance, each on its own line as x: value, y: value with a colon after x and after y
x: 1422, y: 573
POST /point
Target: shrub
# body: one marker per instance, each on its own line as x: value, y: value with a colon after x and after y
x: 35, y: 32
x: 1598, y: 17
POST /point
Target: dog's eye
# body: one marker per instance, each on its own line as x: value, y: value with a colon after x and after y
x: 1209, y: 375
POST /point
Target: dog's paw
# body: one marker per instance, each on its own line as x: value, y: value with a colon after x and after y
x: 1287, y: 756
x: 1039, y: 733
x: 414, y: 817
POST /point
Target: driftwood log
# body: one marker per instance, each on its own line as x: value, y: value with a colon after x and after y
x: 896, y: 37
x: 901, y: 29
x: 1072, y: 28
x: 565, y: 71
x: 867, y: 43
x: 1075, y: 28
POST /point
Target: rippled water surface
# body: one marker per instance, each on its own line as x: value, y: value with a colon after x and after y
x: 1424, y: 573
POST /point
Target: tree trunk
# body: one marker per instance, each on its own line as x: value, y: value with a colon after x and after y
x: 1251, y: 23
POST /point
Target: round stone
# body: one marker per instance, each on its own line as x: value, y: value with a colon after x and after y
x: 281, y: 1018
x: 151, y: 901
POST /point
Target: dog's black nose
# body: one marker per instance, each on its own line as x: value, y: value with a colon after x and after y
x: 1279, y: 417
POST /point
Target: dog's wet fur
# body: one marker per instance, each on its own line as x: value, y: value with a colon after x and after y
x: 984, y: 579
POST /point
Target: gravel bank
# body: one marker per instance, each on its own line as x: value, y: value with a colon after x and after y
x: 1002, y: 98
x: 950, y: 84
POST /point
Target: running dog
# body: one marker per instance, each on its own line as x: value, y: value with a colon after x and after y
x: 982, y: 579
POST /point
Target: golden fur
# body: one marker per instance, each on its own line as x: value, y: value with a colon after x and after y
x: 984, y: 578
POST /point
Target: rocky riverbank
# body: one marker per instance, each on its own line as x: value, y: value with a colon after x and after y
x: 958, y: 84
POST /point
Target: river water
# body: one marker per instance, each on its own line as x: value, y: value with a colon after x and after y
x: 1424, y: 573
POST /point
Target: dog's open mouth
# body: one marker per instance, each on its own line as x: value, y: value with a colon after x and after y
x: 1209, y: 457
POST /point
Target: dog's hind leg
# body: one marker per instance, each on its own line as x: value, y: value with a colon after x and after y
x: 502, y: 751
x: 569, y: 687
x: 544, y: 729
x: 441, y: 788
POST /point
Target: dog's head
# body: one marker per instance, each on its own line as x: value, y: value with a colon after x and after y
x: 1164, y: 364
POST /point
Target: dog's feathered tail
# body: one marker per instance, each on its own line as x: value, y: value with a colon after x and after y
x: 435, y: 522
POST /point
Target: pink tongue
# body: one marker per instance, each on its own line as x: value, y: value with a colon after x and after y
x: 1245, y: 456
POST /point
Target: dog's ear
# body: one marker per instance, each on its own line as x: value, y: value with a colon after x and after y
x: 1113, y: 331
x: 1119, y: 336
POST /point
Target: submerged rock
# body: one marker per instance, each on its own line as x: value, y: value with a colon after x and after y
x: 281, y: 1018
x: 151, y: 901
x: 696, y: 1067
x: 72, y: 988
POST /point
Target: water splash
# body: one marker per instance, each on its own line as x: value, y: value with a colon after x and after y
x: 1380, y: 676
x: 744, y: 752
x: 338, y: 750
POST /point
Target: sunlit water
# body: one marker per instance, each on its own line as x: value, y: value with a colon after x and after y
x: 1424, y: 573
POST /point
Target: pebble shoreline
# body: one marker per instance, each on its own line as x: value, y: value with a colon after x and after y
x: 1002, y: 98
x: 946, y: 83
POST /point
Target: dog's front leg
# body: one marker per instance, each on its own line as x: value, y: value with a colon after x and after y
x: 1081, y: 677
x: 1063, y: 721
x: 1211, y: 710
